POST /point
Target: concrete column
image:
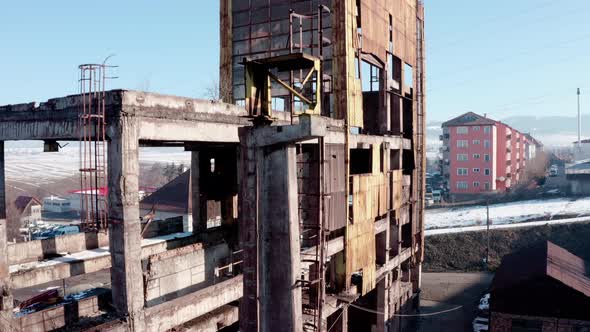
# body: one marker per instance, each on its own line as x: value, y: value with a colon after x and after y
x: 198, y: 224
x: 124, y: 224
x: 383, y: 303
x: 279, y: 241
x: 6, y: 321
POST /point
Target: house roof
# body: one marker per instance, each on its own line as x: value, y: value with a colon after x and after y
x: 22, y: 202
x: 172, y: 197
x: 469, y: 119
x: 544, y: 260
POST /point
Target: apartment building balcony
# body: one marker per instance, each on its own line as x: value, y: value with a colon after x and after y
x: 444, y: 137
x: 508, y: 170
x: 508, y: 162
x: 509, y: 150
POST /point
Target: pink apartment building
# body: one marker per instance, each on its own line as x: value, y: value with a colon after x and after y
x: 481, y: 155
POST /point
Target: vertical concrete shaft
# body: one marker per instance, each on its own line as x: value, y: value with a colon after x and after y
x: 6, y: 301
x: 198, y: 224
x: 124, y: 226
x: 3, y: 235
x: 383, y: 290
x: 280, y: 295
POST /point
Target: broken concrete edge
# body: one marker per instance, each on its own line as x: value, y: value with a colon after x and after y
x: 29, y: 277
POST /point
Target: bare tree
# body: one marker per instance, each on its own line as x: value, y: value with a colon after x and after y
x: 217, y: 90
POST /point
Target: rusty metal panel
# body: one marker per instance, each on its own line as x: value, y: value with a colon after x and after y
x: 336, y: 201
x: 375, y: 28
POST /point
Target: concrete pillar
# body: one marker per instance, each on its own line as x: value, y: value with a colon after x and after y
x: 279, y: 241
x: 6, y: 304
x: 383, y: 290
x: 198, y: 224
x: 124, y: 224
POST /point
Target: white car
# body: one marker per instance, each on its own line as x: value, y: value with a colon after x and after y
x: 481, y: 324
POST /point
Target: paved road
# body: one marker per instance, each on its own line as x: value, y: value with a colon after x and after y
x: 443, y: 291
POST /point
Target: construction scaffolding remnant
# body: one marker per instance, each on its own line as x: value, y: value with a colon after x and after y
x: 93, y: 180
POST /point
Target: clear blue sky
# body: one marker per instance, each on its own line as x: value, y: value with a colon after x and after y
x: 500, y: 57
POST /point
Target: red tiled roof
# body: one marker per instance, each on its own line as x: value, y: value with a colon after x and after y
x: 469, y: 119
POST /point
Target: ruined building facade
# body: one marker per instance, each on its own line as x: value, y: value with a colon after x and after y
x: 331, y: 205
x: 306, y: 182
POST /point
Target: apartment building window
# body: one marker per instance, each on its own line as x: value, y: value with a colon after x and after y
x: 487, y: 129
x: 462, y: 157
x: 462, y: 130
x: 462, y: 185
x: 476, y: 142
x: 462, y: 171
x: 486, y: 186
x: 486, y: 144
x: 476, y: 170
x: 486, y: 171
x: 476, y: 156
x: 486, y: 157
x: 476, y: 184
x: 476, y: 128
x: 462, y: 143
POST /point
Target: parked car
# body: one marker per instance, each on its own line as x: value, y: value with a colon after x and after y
x: 437, y: 196
x: 429, y: 200
x: 481, y: 324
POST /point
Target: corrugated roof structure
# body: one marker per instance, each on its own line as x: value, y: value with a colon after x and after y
x: 544, y: 260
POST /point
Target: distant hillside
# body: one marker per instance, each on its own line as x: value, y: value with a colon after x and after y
x: 551, y: 130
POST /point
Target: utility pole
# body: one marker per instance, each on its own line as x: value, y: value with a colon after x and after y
x: 488, y: 235
x: 579, y: 123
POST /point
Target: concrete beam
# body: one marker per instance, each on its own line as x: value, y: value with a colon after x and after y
x: 214, y: 320
x: 88, y: 261
x: 308, y: 127
x: 173, y: 313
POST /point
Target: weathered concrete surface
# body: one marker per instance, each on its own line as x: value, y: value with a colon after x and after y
x: 24, y: 252
x: 88, y: 261
x: 124, y: 223
x: 279, y: 242
x: 181, y: 310
x: 58, y: 317
x: 213, y: 321
x: 177, y: 272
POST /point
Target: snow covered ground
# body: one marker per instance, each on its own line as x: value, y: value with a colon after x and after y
x: 27, y: 163
x: 507, y: 213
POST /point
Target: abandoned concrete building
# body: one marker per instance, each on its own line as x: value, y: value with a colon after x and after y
x: 313, y: 162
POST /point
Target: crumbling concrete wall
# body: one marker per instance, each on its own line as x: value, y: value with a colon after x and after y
x: 61, y: 316
x: 24, y: 252
x: 177, y: 272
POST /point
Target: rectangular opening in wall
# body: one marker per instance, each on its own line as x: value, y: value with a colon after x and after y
x: 408, y: 163
x: 408, y: 76
x: 408, y: 118
x: 407, y: 236
x: 394, y: 159
x: 394, y: 71
x: 394, y: 239
x: 361, y: 161
x: 395, y: 114
x: 381, y: 248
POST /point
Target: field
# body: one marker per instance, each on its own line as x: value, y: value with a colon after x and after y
x: 508, y: 213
